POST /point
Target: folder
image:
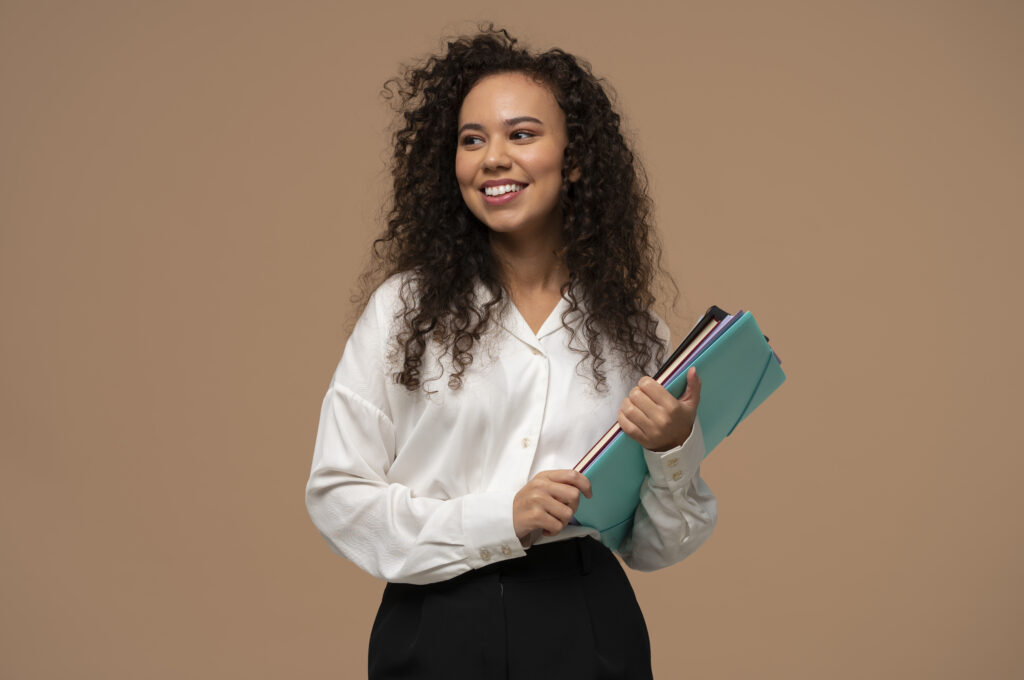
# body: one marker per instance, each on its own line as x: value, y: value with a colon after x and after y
x: 738, y: 370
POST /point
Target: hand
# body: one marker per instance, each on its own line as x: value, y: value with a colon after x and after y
x: 657, y: 420
x: 548, y: 502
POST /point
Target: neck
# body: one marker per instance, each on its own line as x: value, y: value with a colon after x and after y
x: 530, y: 265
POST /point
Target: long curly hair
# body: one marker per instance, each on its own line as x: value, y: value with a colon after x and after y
x: 611, y: 252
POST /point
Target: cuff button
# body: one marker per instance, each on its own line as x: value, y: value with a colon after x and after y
x: 677, y: 475
x: 485, y: 554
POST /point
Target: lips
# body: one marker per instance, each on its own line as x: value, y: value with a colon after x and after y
x: 500, y: 182
x: 499, y: 188
x: 504, y: 196
x: 501, y: 191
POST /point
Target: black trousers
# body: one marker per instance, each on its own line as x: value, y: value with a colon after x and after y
x: 566, y: 610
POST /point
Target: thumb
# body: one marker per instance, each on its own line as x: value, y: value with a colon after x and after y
x: 692, y: 393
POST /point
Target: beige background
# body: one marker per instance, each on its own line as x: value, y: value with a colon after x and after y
x: 188, y: 191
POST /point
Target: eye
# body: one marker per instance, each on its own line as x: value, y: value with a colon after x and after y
x: 522, y: 134
x: 470, y: 140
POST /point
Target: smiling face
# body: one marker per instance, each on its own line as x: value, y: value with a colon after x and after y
x: 511, y: 146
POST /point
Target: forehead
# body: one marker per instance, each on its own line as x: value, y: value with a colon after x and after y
x: 507, y: 95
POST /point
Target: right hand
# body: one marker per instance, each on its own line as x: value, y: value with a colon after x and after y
x: 548, y: 502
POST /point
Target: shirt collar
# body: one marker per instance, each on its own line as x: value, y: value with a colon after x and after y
x: 511, y: 320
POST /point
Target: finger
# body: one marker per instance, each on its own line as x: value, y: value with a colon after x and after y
x: 567, y: 494
x: 693, y: 386
x: 584, y: 486
x: 644, y: 397
x: 544, y: 512
x: 549, y: 524
x: 657, y: 404
x: 631, y: 428
x: 558, y: 510
x: 637, y: 417
x: 656, y: 392
x: 570, y: 477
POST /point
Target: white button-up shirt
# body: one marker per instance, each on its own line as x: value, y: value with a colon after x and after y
x: 418, y: 488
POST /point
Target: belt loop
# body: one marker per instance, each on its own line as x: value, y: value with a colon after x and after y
x: 584, y: 547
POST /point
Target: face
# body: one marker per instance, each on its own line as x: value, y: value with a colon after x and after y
x: 509, y: 160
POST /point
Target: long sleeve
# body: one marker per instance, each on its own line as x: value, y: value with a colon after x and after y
x: 677, y: 511
x: 385, y: 527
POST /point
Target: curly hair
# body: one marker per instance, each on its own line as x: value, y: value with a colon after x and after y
x: 611, y: 252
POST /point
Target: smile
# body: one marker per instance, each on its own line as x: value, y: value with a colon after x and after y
x: 500, y: 194
x: 502, y: 189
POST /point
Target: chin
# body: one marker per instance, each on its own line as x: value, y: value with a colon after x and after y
x: 500, y: 225
x: 506, y: 228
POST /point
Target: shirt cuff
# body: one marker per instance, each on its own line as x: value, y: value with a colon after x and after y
x: 675, y: 468
x: 490, y: 534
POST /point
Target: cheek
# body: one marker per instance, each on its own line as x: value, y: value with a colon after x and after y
x: 468, y: 201
x: 546, y: 163
x: 463, y: 173
x: 467, y: 189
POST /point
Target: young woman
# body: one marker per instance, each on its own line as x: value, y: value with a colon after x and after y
x: 512, y: 327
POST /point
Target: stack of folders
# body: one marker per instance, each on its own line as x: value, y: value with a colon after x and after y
x: 737, y: 370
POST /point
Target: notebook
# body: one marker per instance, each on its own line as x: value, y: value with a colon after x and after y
x: 738, y: 370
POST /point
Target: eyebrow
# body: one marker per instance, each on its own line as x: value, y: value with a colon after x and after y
x: 509, y: 122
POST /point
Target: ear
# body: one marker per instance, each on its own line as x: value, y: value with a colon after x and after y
x: 574, y: 173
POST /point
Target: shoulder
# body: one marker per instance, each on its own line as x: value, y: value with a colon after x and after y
x: 397, y: 291
x: 660, y: 350
x: 387, y: 304
x: 377, y: 320
x: 663, y: 332
x: 364, y: 369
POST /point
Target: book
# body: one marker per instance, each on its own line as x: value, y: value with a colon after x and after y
x: 738, y: 370
x: 693, y: 340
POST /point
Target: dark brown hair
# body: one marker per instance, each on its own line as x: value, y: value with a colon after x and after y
x: 611, y: 252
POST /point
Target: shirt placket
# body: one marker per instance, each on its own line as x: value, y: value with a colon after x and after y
x: 526, y: 441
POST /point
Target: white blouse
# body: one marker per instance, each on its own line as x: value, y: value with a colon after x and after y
x: 418, y: 488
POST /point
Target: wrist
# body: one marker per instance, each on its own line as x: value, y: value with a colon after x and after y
x: 674, y: 443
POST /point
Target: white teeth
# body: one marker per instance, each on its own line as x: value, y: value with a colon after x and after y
x: 503, y: 189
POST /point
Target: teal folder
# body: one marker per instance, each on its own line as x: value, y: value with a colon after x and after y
x: 738, y: 371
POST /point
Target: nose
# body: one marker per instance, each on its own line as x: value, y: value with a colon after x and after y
x: 497, y: 156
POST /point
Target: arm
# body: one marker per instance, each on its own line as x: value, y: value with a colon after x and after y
x: 383, y: 527
x: 677, y: 511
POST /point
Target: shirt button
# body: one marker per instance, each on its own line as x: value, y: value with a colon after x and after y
x: 526, y: 442
x: 536, y: 352
x: 672, y: 462
x: 677, y: 475
x: 505, y: 550
x: 485, y: 554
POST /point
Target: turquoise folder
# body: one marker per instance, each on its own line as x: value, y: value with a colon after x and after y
x: 737, y: 371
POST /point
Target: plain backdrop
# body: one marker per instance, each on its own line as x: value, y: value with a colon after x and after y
x: 188, y: 191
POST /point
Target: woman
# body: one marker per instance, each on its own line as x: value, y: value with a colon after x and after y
x: 512, y: 328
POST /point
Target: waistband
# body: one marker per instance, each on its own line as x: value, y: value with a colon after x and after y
x: 557, y: 559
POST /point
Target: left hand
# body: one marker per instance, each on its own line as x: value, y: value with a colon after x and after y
x: 657, y: 420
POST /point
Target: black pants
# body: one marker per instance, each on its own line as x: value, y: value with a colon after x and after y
x: 566, y: 610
